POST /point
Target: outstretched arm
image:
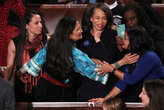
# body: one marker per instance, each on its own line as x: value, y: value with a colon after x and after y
x: 83, y: 64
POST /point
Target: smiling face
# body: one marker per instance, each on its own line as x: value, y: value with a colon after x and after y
x: 144, y: 97
x: 99, y: 20
x: 130, y: 18
x: 77, y: 32
x: 34, y: 27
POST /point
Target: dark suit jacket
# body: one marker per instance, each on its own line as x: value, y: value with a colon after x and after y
x: 7, y: 98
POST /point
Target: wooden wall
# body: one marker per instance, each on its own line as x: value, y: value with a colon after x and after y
x: 53, y: 12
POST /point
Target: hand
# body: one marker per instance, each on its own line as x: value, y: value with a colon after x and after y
x: 104, y: 68
x: 2, y: 70
x: 119, y: 43
x: 97, y: 61
x: 130, y: 58
x: 97, y: 100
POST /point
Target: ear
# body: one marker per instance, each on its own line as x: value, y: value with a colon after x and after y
x: 91, y: 19
x: 27, y: 26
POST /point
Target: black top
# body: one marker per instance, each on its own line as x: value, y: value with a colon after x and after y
x: 105, y: 50
x: 117, y: 13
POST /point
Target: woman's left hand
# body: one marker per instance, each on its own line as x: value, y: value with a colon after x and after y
x: 104, y: 68
x: 97, y: 100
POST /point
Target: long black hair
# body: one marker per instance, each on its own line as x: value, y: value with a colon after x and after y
x: 139, y: 42
x: 59, y: 60
x: 139, y: 39
x: 21, y: 38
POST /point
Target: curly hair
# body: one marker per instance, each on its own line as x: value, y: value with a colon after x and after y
x: 87, y: 24
x: 59, y: 61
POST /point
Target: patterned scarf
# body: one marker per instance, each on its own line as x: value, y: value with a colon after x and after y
x: 35, y: 46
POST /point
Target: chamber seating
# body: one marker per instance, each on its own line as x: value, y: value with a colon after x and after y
x: 69, y: 106
x: 54, y: 12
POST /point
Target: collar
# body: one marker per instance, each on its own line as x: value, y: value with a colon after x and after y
x: 111, y: 6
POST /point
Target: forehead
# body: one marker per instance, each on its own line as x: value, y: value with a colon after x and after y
x: 35, y: 17
x: 130, y: 13
x: 98, y: 11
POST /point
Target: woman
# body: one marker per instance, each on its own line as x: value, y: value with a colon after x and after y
x: 31, y: 39
x: 152, y: 95
x: 59, y: 63
x: 98, y: 42
x: 136, y: 16
x: 7, y: 32
x: 148, y: 66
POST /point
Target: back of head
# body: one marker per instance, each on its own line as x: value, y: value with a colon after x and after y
x: 114, y: 104
x: 139, y: 39
x: 155, y: 90
x: 59, y: 50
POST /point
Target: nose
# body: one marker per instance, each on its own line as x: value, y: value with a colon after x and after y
x: 140, y: 95
x: 40, y: 25
x: 128, y: 23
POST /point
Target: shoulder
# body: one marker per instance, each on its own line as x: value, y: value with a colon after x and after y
x: 150, y: 56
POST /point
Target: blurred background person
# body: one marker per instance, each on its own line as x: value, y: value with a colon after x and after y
x: 152, y: 95
x: 9, y: 25
x: 7, y: 97
x: 114, y: 104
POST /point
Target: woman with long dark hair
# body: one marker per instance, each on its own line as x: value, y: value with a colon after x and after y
x: 31, y: 39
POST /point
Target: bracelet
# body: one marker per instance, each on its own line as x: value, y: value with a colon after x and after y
x: 114, y: 69
x: 116, y: 65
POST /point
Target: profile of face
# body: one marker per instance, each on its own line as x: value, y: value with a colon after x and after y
x: 125, y: 41
x: 144, y: 97
x: 77, y: 32
x: 130, y: 18
x: 34, y: 27
x: 98, y: 19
